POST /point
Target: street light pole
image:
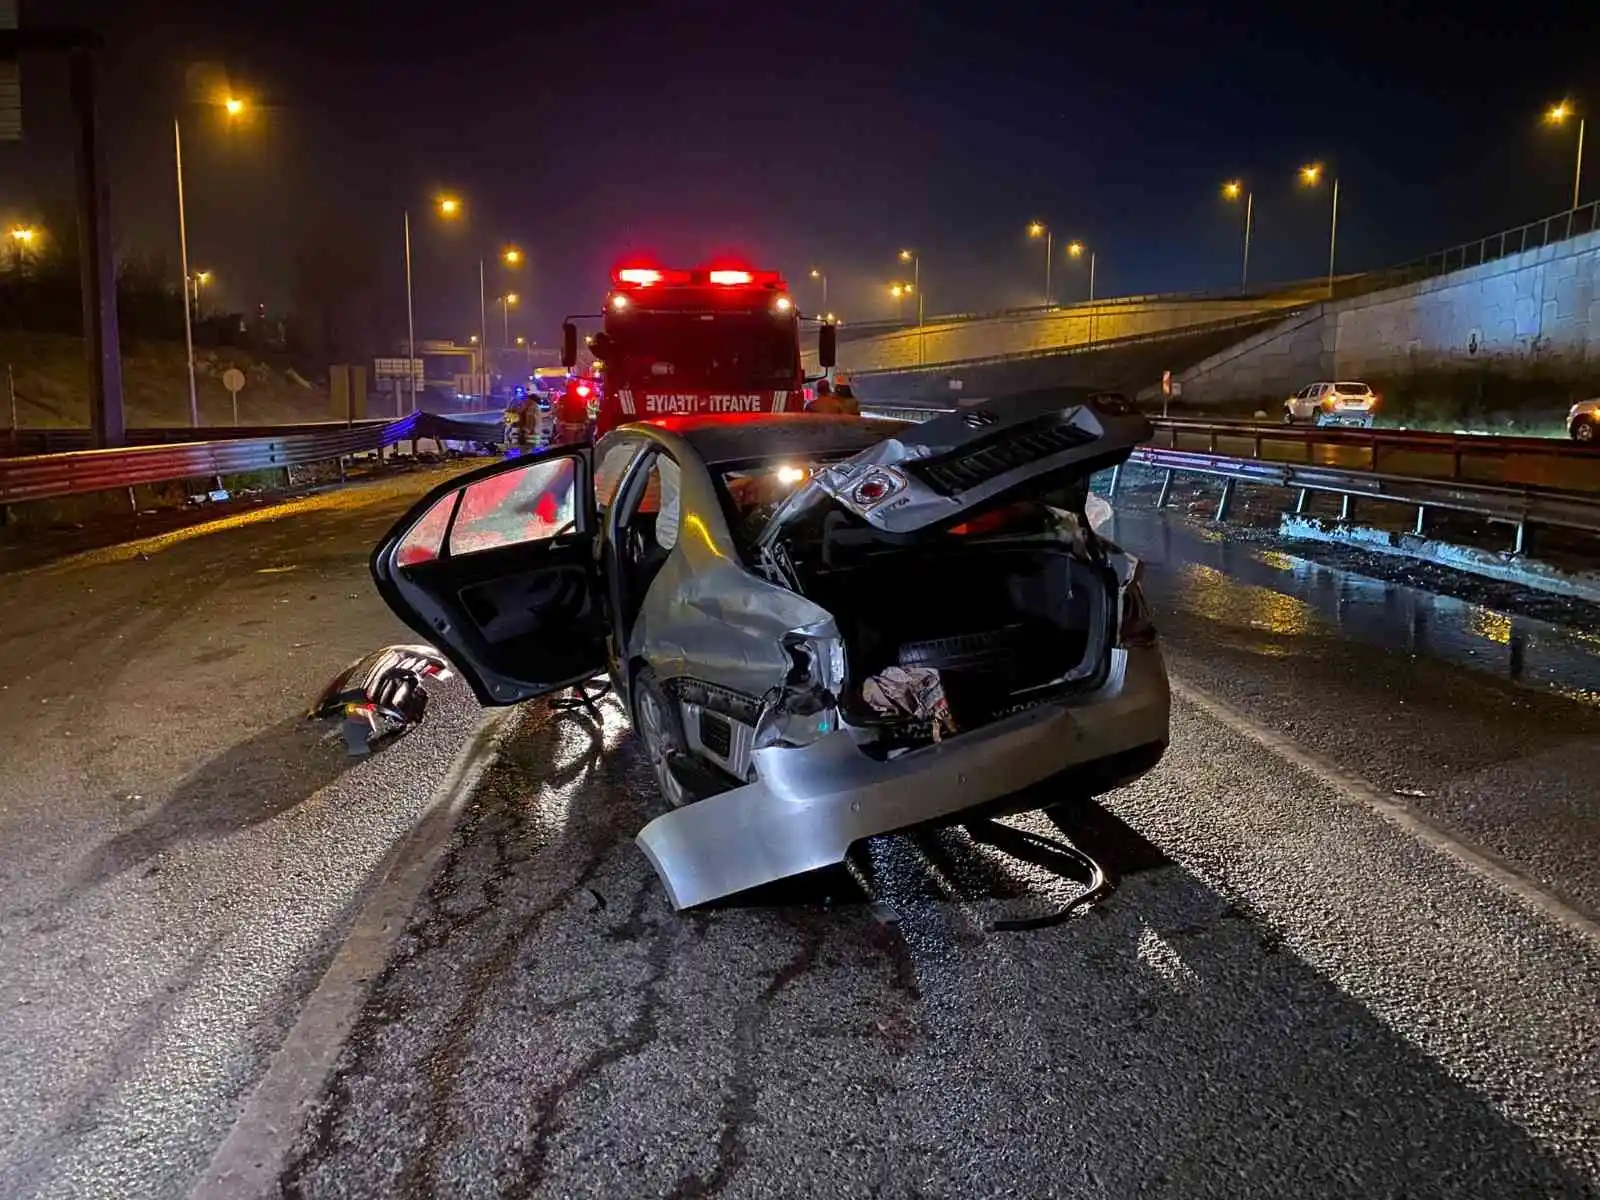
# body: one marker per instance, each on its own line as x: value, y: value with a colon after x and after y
x: 183, y: 253
x: 1049, y: 254
x: 1091, y: 276
x: 1333, y: 234
x: 411, y: 322
x: 1577, y: 171
x: 1249, y: 213
x: 483, y: 332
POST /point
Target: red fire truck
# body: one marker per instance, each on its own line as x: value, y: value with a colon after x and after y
x: 716, y: 339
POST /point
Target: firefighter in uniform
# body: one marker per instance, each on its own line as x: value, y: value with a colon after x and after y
x: 571, y: 413
x: 835, y: 398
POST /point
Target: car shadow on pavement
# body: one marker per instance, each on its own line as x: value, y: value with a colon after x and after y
x: 548, y: 1022
x: 255, y: 781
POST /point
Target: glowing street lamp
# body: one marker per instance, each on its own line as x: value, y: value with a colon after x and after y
x: 1311, y: 176
x: 512, y: 256
x: 1039, y: 229
x: 1077, y: 249
x: 911, y: 256
x: 507, y: 303
x: 22, y: 237
x: 234, y: 107
x: 820, y: 274
x: 1558, y: 115
x: 446, y: 206
x: 1232, y: 190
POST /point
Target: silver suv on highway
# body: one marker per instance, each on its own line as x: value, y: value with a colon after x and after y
x: 823, y: 627
x: 1345, y: 403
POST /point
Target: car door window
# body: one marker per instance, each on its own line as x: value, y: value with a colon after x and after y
x: 517, y: 507
x: 669, y: 514
x: 611, y: 470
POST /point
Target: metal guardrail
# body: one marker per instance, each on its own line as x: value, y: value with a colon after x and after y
x: 1515, y: 506
x: 46, y: 476
x: 1558, y: 227
x: 1445, y: 472
x: 60, y: 441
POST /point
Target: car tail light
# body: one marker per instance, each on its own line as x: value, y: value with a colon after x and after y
x: 731, y: 277
x: 642, y: 276
x: 1137, y: 628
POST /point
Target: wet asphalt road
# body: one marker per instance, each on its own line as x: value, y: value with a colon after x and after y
x: 1286, y: 996
x: 179, y: 852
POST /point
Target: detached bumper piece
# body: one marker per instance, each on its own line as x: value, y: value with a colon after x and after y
x: 380, y: 696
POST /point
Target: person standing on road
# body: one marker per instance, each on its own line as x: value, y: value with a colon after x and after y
x: 826, y: 401
x: 845, y: 396
x: 571, y: 414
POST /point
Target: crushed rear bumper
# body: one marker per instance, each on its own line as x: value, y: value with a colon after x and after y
x: 810, y: 803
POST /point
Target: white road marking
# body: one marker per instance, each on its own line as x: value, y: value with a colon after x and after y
x: 248, y: 1161
x: 1354, y: 790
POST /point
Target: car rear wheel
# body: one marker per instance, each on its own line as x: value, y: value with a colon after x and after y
x: 655, y: 720
x: 1584, y: 430
x: 1288, y: 416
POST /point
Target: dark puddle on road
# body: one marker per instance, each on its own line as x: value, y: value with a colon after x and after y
x: 1232, y: 582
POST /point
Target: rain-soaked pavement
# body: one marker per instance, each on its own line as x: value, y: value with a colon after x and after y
x: 1290, y: 993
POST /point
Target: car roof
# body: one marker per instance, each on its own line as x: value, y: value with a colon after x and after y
x: 733, y: 437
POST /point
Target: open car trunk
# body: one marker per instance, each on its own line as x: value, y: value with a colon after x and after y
x: 999, y: 619
x: 957, y: 557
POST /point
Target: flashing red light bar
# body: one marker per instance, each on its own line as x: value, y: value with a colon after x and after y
x: 643, y: 277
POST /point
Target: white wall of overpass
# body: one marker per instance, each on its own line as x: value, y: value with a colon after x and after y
x: 953, y: 342
x: 1534, y: 312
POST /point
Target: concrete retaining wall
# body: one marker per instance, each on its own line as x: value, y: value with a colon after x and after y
x: 954, y: 342
x: 1532, y: 317
x: 1120, y: 368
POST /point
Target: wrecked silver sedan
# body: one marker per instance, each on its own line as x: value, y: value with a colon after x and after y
x: 823, y: 627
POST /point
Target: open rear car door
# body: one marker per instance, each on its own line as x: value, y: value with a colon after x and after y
x: 497, y: 569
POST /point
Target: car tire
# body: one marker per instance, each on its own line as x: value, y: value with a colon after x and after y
x: 1288, y: 416
x: 1585, y: 431
x: 659, y: 727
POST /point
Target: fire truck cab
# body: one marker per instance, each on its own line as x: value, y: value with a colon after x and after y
x: 716, y: 339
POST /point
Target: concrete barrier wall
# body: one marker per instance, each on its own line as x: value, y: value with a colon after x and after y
x: 1533, y: 316
x: 1126, y: 368
x: 953, y: 342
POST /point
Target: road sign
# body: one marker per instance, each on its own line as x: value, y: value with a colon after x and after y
x: 395, y: 368
x: 233, y: 380
x: 1166, y: 383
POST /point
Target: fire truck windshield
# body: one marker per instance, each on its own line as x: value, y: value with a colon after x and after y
x: 715, y: 350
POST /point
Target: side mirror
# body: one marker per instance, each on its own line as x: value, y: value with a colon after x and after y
x: 828, y: 346
x: 569, y: 345
x: 600, y: 346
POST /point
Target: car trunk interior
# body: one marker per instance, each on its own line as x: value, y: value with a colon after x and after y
x: 1003, y: 619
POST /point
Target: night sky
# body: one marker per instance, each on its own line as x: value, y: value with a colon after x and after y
x: 819, y: 134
